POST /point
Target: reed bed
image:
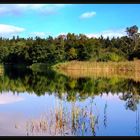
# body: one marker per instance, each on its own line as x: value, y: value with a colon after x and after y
x: 77, y: 69
x: 106, y: 66
x: 62, y: 121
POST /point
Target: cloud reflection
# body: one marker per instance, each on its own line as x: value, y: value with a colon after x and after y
x: 7, y: 98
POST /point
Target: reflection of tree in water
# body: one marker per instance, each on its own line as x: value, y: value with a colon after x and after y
x: 131, y: 101
x: 137, y: 122
x: 105, y: 115
x: 69, y: 89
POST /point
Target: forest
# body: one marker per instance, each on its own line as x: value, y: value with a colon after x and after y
x: 70, y: 47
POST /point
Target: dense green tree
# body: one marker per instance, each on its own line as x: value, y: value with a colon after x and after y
x: 135, y: 40
x: 70, y: 47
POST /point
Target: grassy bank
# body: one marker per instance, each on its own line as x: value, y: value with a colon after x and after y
x: 76, y: 69
x: 106, y: 66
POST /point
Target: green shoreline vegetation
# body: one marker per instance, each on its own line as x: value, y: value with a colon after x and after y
x: 28, y: 51
x: 100, y: 53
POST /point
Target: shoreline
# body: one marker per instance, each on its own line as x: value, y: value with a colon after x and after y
x: 78, y: 69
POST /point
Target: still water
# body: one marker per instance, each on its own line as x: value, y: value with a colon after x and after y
x: 47, y: 103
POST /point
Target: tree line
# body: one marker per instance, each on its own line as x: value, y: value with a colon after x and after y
x: 70, y: 47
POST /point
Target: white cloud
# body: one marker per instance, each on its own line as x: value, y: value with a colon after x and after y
x: 39, y: 6
x: 16, y: 9
x: 3, y: 10
x: 39, y: 34
x: 88, y: 15
x: 30, y: 6
x: 7, y: 9
x: 108, y: 33
x: 62, y: 33
x: 9, y: 30
x: 7, y: 98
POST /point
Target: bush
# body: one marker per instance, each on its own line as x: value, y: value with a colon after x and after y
x: 110, y: 57
x: 115, y: 57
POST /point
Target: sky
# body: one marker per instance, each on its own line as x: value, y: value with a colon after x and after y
x: 93, y: 20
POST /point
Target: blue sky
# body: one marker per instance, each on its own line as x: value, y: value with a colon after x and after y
x: 42, y: 20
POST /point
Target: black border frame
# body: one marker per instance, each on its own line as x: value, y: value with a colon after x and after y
x: 71, y: 1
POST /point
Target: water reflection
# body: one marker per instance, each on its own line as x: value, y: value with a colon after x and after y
x: 80, y: 122
x: 7, y: 98
x: 89, y: 106
x: 20, y: 80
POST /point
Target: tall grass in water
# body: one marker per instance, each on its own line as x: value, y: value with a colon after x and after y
x: 63, y: 121
x: 76, y: 69
x: 106, y: 66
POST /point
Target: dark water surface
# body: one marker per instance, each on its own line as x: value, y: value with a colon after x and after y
x: 47, y: 103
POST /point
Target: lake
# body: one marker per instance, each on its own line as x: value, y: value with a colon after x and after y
x: 46, y: 103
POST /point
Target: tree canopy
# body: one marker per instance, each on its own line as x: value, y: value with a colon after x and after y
x: 70, y: 47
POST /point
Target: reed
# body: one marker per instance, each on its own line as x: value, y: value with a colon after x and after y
x: 62, y: 121
x: 77, y: 69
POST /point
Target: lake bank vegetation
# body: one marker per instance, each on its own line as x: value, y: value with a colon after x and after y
x: 124, y: 69
x: 59, y: 124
